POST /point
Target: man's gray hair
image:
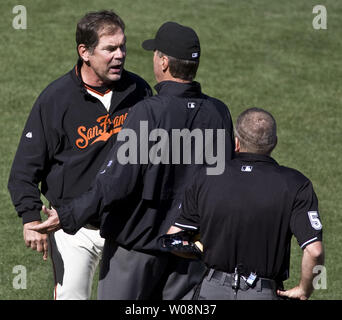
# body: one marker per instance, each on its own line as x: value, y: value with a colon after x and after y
x: 256, y: 130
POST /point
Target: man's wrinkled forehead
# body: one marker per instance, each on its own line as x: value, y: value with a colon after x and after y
x: 115, y: 37
x: 108, y: 29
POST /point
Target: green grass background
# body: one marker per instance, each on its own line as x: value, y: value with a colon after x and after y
x: 262, y: 53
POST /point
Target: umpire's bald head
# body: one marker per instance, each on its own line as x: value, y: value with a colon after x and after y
x: 255, y: 131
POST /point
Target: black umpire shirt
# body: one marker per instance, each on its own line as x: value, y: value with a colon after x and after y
x: 136, y: 201
x: 246, y: 216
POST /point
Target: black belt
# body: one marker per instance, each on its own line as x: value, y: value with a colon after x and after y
x: 227, y: 278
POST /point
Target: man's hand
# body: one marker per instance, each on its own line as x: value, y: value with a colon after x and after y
x: 174, y: 229
x: 313, y: 255
x: 52, y: 224
x: 35, y: 240
x: 294, y: 293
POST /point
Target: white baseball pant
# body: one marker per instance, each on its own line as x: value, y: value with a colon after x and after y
x: 74, y: 259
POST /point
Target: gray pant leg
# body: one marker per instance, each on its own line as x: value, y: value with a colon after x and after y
x: 183, y: 280
x: 128, y: 274
x: 213, y: 290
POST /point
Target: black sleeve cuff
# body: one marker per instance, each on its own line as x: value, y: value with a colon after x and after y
x: 312, y: 240
x: 30, y: 216
x: 185, y: 225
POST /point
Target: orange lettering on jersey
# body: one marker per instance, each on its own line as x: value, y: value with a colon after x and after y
x: 83, y: 141
x: 101, y: 131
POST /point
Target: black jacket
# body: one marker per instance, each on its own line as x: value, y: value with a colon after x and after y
x: 66, y: 139
x: 136, y: 201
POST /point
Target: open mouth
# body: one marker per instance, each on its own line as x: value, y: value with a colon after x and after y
x: 115, y: 69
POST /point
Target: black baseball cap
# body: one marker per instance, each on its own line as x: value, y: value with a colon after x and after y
x: 175, y: 40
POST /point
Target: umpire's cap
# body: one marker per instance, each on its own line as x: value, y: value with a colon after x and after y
x: 175, y: 40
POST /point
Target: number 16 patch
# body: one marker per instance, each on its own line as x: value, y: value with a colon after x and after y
x: 314, y: 220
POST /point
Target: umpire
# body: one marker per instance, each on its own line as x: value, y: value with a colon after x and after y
x: 246, y: 218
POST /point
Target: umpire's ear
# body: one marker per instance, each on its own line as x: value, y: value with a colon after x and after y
x: 237, y: 144
x: 164, y: 63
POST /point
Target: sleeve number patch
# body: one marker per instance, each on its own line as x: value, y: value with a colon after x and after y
x: 314, y: 220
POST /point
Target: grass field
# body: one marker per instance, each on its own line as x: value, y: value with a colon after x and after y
x: 262, y: 53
